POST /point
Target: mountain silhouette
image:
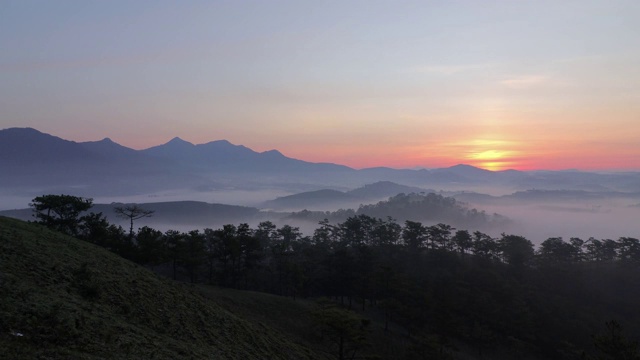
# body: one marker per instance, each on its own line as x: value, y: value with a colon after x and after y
x: 21, y: 146
x: 33, y: 162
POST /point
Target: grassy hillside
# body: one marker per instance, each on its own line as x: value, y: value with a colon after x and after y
x: 64, y: 298
x: 293, y: 318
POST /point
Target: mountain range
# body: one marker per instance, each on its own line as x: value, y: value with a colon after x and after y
x: 34, y: 163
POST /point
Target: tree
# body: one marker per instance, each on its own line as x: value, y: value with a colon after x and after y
x: 358, y: 230
x: 345, y: 330
x: 440, y: 234
x: 94, y: 229
x: 414, y: 235
x: 228, y: 253
x: 61, y: 212
x: 516, y: 250
x: 250, y: 251
x: 614, y: 345
x: 194, y: 254
x: 484, y: 245
x: 555, y: 250
x: 132, y: 212
x: 175, y: 244
x: 265, y: 233
x: 629, y: 249
x: 463, y: 240
x: 386, y: 233
x: 325, y: 236
x: 601, y: 250
x: 151, y: 246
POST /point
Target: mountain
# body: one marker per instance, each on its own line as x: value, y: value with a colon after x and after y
x: 41, y: 163
x: 109, y: 149
x: 30, y: 158
x: 221, y: 155
x: 199, y: 155
x: 35, y: 163
x: 423, y: 207
x: 325, y: 199
x: 475, y: 198
x: 20, y: 146
x: 329, y: 199
x: 466, y: 171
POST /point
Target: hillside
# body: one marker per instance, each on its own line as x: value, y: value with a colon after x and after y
x: 63, y: 298
x: 328, y: 199
x: 319, y: 199
x: 431, y: 208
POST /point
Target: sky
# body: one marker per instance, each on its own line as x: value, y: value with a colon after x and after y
x: 496, y: 84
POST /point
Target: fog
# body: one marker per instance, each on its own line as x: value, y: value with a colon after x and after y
x: 540, y: 222
x: 228, y: 196
x: 10, y: 201
x: 537, y: 219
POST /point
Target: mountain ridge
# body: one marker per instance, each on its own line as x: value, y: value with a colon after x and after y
x: 40, y: 163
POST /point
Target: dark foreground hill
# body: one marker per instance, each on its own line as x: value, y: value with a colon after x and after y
x: 61, y: 298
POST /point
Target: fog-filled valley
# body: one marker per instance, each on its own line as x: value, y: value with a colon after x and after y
x: 269, y: 186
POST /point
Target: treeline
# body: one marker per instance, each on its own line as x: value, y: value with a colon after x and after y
x: 428, y: 207
x: 435, y: 289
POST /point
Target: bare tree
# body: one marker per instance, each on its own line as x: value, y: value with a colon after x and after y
x: 132, y: 212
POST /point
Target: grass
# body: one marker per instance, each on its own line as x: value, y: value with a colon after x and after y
x: 64, y: 298
x: 290, y: 317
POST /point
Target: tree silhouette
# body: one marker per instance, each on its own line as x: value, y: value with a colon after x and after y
x: 61, y: 212
x: 614, y: 345
x: 132, y: 212
x: 345, y: 330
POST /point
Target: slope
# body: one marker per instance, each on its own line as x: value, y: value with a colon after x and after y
x: 64, y: 298
x: 318, y: 199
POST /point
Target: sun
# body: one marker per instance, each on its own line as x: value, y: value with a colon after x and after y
x: 492, y: 159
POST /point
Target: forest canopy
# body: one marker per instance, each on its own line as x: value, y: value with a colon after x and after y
x: 432, y: 286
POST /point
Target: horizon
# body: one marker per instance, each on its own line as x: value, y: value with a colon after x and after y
x: 335, y: 163
x: 496, y: 85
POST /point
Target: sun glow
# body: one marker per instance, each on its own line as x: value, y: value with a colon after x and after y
x: 492, y: 165
x: 492, y: 159
x: 489, y: 155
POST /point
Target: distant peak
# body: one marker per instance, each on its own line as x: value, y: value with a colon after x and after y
x: 463, y: 166
x: 223, y: 141
x: 468, y: 168
x: 106, y: 140
x: 273, y: 153
x: 221, y: 144
x: 23, y: 130
x: 177, y: 141
x: 383, y: 182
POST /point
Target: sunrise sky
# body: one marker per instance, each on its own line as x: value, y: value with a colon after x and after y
x: 496, y: 84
